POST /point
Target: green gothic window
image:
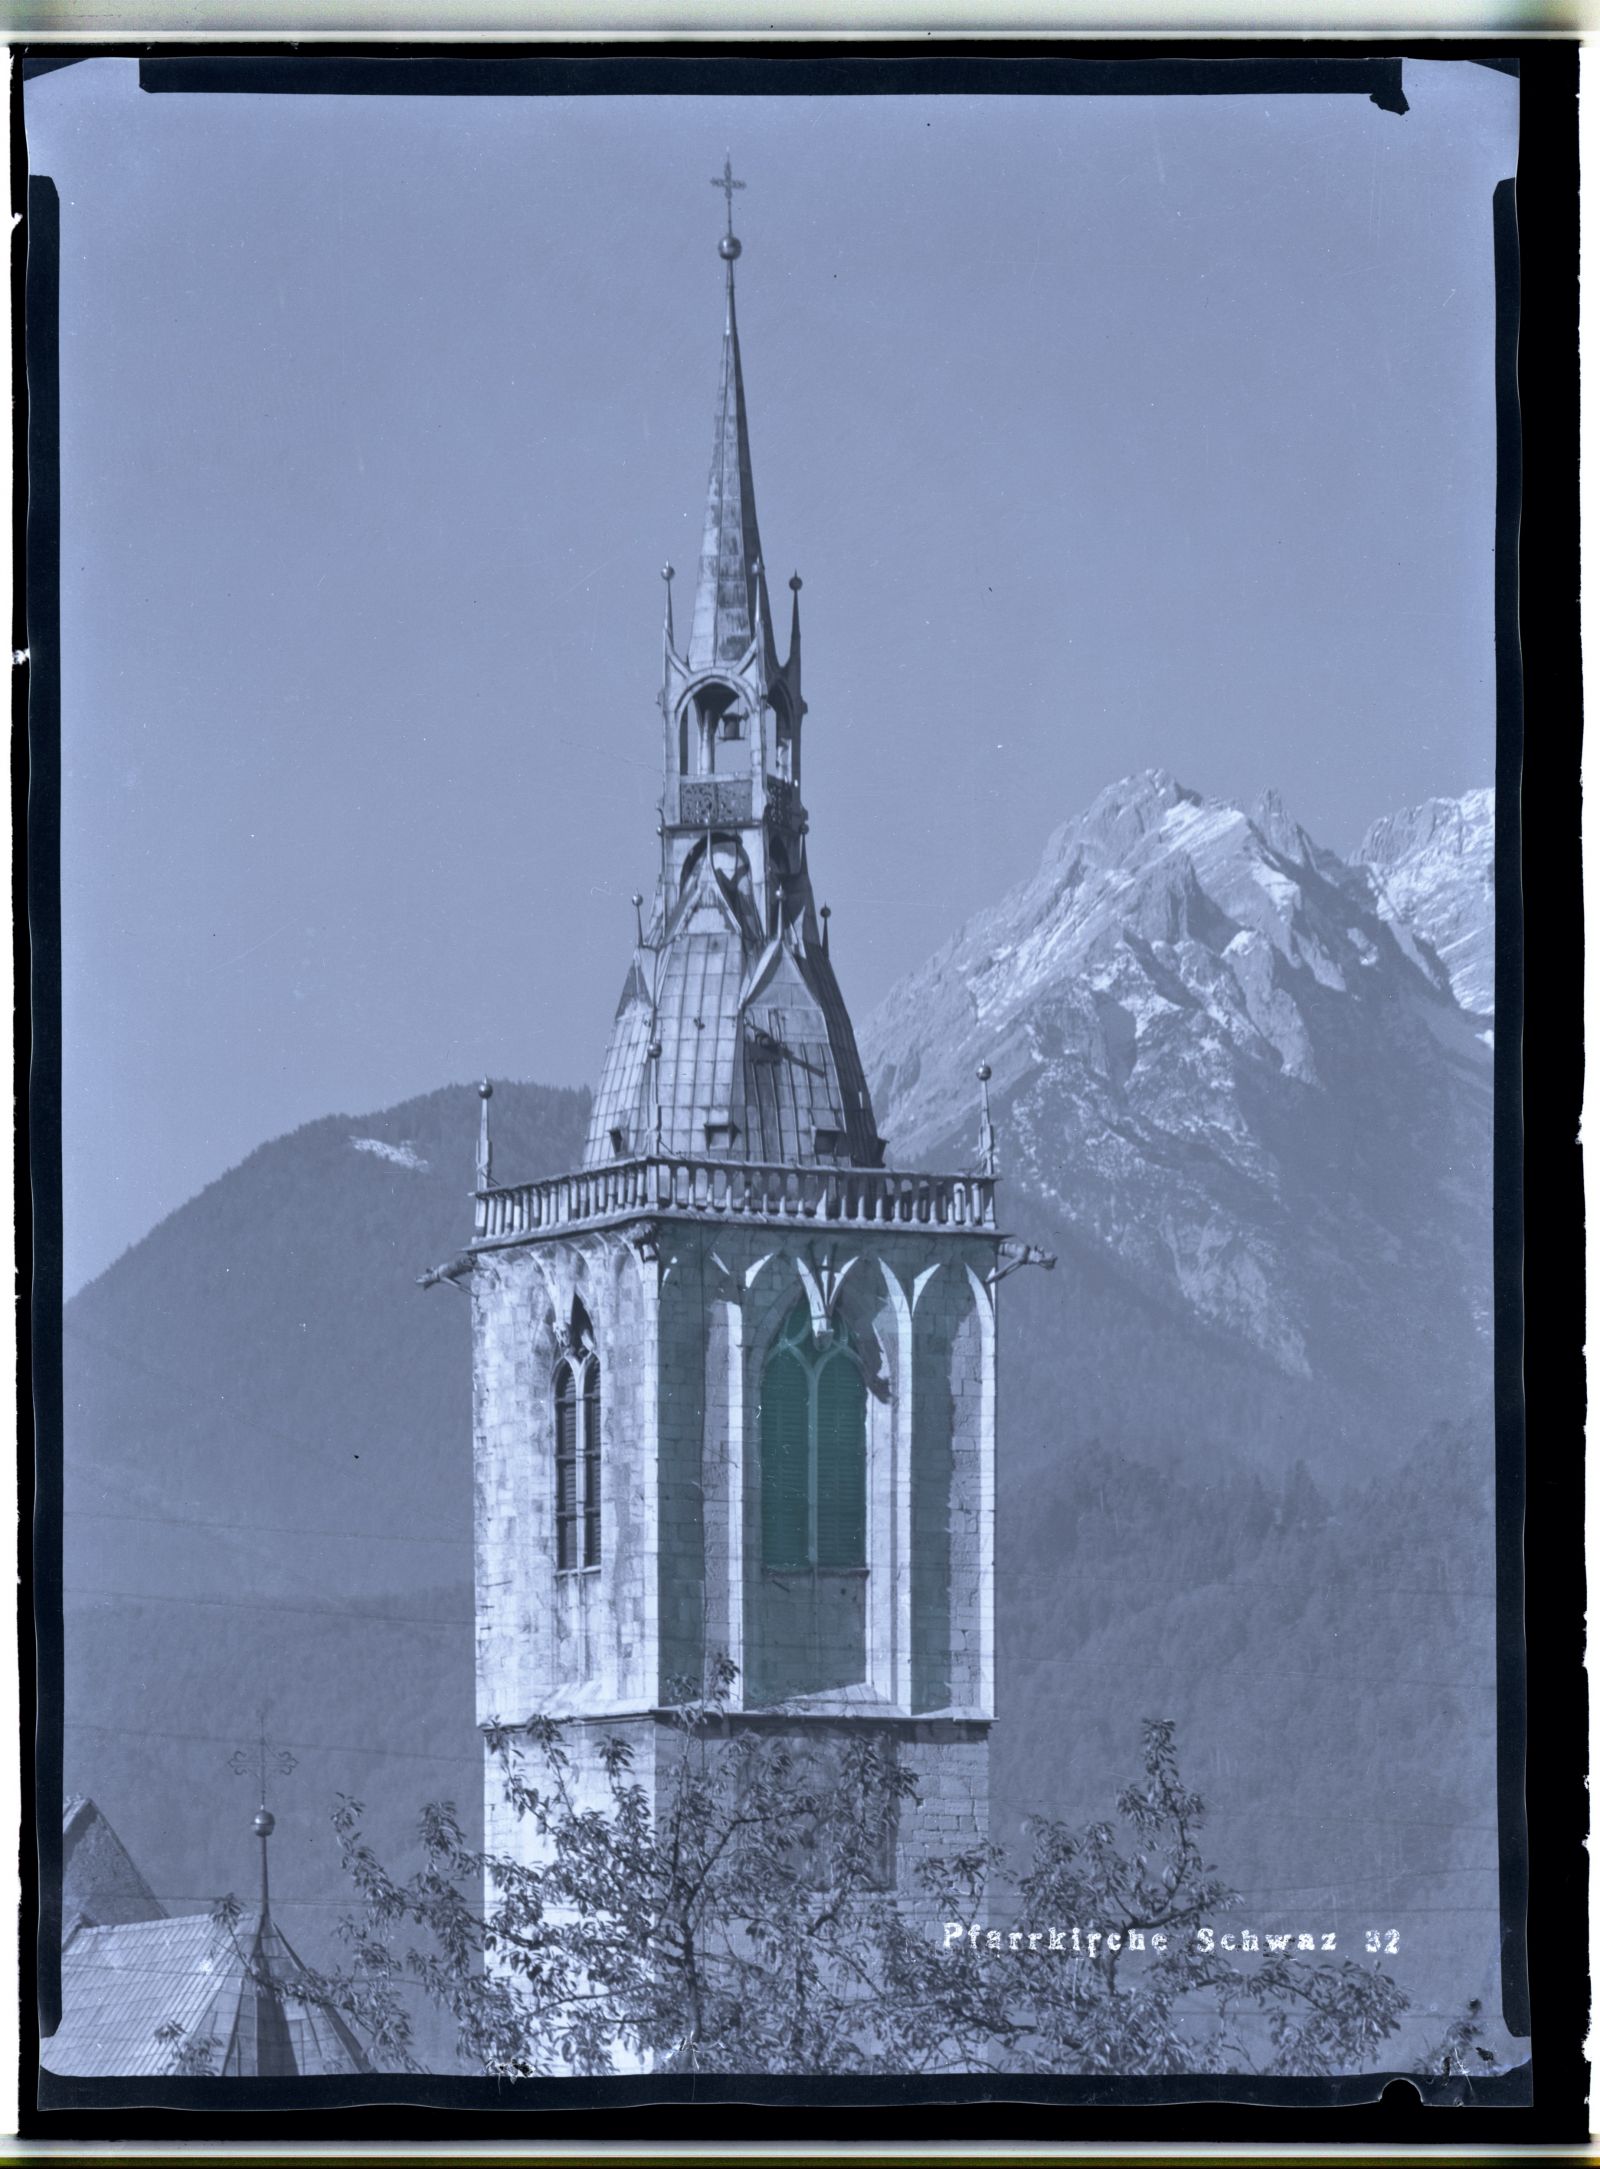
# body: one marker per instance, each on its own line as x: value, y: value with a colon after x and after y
x: 813, y: 1453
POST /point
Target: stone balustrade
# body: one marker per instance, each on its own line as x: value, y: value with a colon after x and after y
x: 673, y: 1184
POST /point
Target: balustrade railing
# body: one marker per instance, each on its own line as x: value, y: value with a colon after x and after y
x: 734, y: 1190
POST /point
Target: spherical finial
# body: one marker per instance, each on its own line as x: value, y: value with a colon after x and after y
x: 486, y: 1090
x: 667, y: 572
x: 654, y: 1050
x: 636, y: 899
x: 729, y: 247
x: 264, y: 1824
x: 827, y: 911
x: 984, y: 1073
x: 796, y: 582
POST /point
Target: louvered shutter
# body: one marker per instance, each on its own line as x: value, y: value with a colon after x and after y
x: 591, y: 1463
x: 566, y: 1469
x: 785, y: 1458
x: 841, y: 1464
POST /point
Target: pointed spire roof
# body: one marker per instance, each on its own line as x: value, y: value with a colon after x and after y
x: 730, y: 592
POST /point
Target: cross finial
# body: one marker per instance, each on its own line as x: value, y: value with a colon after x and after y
x: 263, y: 1758
x: 726, y: 182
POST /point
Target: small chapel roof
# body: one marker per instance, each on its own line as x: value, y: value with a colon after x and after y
x: 226, y: 1984
x: 136, y: 1989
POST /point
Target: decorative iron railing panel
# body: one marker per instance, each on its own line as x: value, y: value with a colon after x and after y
x: 711, y: 804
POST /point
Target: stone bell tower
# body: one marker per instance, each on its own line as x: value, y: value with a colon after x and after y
x: 734, y: 1378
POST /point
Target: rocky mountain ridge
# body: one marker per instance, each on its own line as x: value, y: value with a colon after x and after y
x: 1231, y: 1067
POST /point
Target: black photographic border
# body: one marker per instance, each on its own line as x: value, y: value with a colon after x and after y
x: 1539, y: 1380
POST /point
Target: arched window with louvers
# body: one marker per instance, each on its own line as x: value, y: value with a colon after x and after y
x: 576, y: 1388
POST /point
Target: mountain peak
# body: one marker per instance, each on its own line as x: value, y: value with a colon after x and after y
x: 1271, y: 819
x: 1452, y: 826
x: 1432, y: 868
x: 1185, y: 1009
x: 1124, y: 810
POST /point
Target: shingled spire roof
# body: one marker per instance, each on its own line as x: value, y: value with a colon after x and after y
x: 731, y: 575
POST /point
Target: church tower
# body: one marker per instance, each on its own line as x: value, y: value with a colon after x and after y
x: 734, y: 1378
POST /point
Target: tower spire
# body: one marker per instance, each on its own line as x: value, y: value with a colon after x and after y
x: 730, y: 956
x: 729, y: 595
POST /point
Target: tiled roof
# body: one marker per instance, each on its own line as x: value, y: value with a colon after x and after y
x: 120, y: 1984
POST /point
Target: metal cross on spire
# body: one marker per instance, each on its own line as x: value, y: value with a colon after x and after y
x: 263, y: 1758
x: 726, y: 182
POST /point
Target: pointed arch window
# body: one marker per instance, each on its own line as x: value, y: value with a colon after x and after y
x: 813, y: 1453
x: 577, y: 1428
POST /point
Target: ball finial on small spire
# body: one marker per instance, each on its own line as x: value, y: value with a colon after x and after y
x: 667, y: 571
x: 485, y: 1144
x: 987, y: 1162
x: 795, y: 582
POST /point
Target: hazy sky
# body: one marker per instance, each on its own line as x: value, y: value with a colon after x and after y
x: 1107, y: 434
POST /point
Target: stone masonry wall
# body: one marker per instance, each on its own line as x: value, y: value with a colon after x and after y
x: 683, y: 1314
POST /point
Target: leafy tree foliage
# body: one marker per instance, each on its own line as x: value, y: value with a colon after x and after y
x: 744, y: 1927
